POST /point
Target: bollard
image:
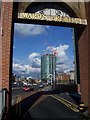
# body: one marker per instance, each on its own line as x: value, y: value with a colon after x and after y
x: 81, y: 107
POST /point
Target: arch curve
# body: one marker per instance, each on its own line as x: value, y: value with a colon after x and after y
x: 35, y: 6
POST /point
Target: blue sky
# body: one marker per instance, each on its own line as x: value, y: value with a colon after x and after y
x: 30, y: 41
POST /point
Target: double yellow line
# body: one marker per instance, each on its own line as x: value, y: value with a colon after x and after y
x: 66, y: 103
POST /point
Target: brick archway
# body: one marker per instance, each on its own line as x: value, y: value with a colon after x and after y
x: 6, y: 47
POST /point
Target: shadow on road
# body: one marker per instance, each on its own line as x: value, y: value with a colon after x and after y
x: 19, y: 111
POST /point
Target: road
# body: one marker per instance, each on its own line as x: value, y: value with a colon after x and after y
x: 51, y: 105
x: 18, y: 91
x: 48, y: 106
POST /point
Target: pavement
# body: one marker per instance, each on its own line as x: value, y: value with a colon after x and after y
x: 52, y: 107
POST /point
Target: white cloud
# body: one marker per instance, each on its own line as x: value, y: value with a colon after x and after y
x: 34, y: 65
x: 30, y: 29
x: 62, y: 67
x: 63, y: 61
x: 25, y: 68
x: 60, y: 52
x: 62, y: 56
x: 34, y: 60
x: 32, y: 68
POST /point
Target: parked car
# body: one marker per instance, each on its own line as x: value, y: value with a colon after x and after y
x: 41, y: 85
x: 17, y: 84
x: 28, y: 88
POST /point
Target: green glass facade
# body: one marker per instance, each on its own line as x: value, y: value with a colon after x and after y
x: 48, y: 67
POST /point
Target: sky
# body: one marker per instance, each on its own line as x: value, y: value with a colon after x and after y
x: 32, y: 40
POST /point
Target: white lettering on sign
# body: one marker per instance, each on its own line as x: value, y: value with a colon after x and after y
x: 56, y: 18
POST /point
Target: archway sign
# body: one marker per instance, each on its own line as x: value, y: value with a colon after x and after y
x: 71, y: 14
x: 52, y: 15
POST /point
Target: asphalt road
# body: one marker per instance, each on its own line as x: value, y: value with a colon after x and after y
x: 18, y: 91
x: 50, y: 107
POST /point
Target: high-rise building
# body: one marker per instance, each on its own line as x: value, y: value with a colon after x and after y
x: 48, y: 67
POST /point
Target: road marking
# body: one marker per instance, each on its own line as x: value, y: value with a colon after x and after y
x: 65, y: 102
x: 76, y: 106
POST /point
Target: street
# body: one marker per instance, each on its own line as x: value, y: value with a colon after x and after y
x: 48, y: 106
x: 18, y: 91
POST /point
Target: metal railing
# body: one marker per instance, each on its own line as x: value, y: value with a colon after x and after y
x: 3, y: 102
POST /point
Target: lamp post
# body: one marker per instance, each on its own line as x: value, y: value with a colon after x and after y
x: 50, y: 75
x: 50, y: 78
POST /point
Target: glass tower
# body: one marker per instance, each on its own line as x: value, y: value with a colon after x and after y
x: 48, y: 67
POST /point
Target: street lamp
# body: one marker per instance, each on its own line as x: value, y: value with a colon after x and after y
x: 51, y: 80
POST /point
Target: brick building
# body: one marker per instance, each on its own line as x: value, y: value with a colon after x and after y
x: 62, y: 78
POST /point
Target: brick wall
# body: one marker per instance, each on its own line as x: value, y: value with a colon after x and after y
x: 84, y: 48
x: 0, y: 54
x: 6, y: 17
x: 63, y: 77
x: 6, y: 38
